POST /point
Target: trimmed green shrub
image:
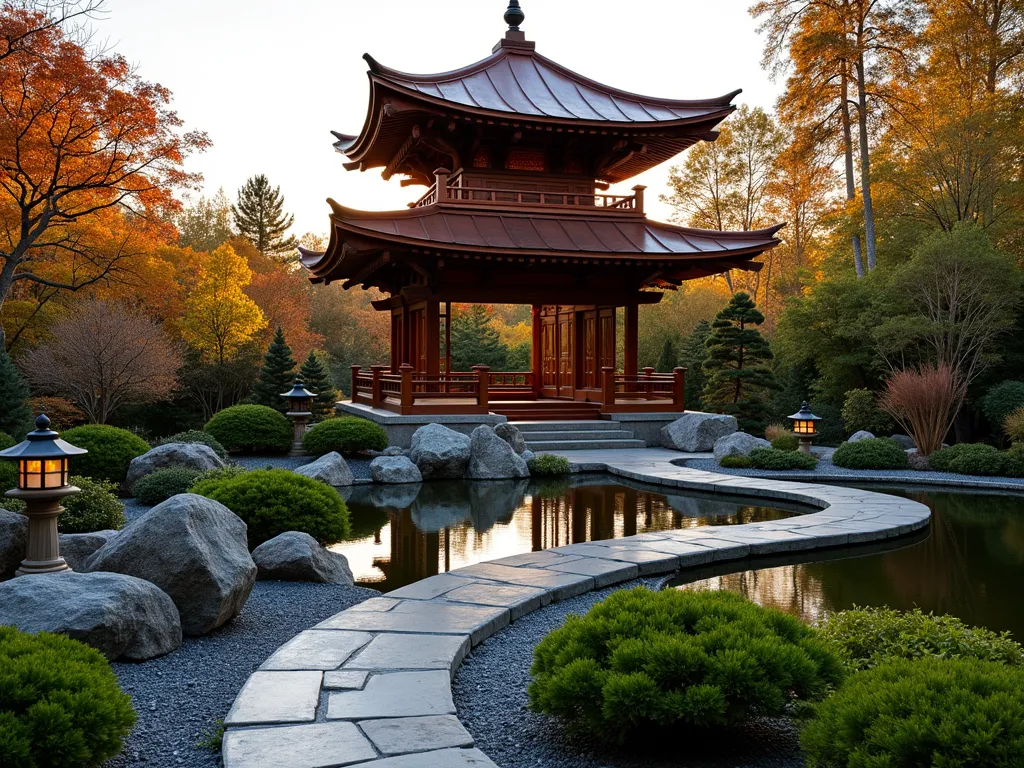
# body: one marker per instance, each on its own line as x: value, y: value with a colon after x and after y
x: 962, y: 713
x: 735, y: 461
x: 273, y: 501
x: 969, y: 459
x: 60, y: 704
x: 94, y: 508
x: 549, y: 465
x: 196, y: 436
x: 222, y: 473
x: 251, y: 428
x: 785, y: 443
x: 872, y: 453
x: 110, y: 451
x: 641, y: 660
x: 1002, y: 400
x: 861, y: 413
x: 867, y: 637
x: 347, y: 435
x: 164, y: 483
x: 1015, y: 460
x: 773, y: 458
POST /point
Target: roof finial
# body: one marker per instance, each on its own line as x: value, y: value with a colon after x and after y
x: 514, y: 15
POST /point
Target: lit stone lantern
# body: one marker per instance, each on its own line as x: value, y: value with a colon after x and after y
x: 300, y: 410
x: 42, y: 482
x: 804, y: 427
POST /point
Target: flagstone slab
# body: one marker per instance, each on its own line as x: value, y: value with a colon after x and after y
x: 345, y: 679
x: 430, y: 587
x: 317, y: 745
x: 605, y: 572
x: 519, y: 600
x: 445, y: 758
x: 562, y: 585
x: 400, y: 736
x: 402, y: 651
x: 395, y: 694
x: 315, y: 649
x: 432, y: 618
x: 276, y: 697
x: 539, y: 559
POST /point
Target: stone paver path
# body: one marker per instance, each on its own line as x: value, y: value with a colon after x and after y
x: 371, y: 686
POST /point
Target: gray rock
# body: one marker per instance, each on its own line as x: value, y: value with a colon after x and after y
x: 297, y: 556
x: 738, y: 444
x: 527, y: 455
x: 697, y: 432
x: 394, y: 469
x: 184, y: 455
x: 510, y: 434
x: 856, y: 437
x: 918, y: 462
x: 440, y: 453
x: 13, y: 540
x: 195, y: 550
x: 120, y: 616
x: 78, y: 548
x: 904, y: 441
x: 394, y: 450
x: 330, y: 468
x: 491, y: 458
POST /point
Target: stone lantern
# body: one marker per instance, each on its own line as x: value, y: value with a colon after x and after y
x: 804, y: 426
x: 300, y: 411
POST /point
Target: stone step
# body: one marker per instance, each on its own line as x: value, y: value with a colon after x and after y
x: 539, y: 446
x: 578, y: 434
x: 560, y: 426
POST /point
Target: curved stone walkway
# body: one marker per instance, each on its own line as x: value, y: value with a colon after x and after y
x: 372, y: 685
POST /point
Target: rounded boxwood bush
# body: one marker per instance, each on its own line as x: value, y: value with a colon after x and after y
x: 196, y: 436
x: 549, y: 465
x: 736, y: 461
x: 641, y: 661
x: 347, y: 435
x: 251, y: 428
x: 94, y: 508
x: 164, y: 483
x: 928, y: 712
x: 969, y: 459
x: 866, y: 637
x: 273, y: 501
x: 773, y: 458
x: 873, y: 453
x: 110, y: 451
x: 60, y: 704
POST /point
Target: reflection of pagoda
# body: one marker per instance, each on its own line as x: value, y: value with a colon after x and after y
x: 518, y: 153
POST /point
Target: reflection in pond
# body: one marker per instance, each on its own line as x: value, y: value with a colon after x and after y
x: 403, y: 533
x: 969, y: 564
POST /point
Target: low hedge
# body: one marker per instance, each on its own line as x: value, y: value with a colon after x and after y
x: 929, y: 712
x: 642, y: 661
x: 867, y: 637
x: 773, y: 458
x: 736, y: 461
x: 60, y: 704
x: 94, y: 508
x: 164, y: 483
x: 970, y: 459
x: 196, y: 436
x: 110, y: 451
x: 872, y: 453
x: 251, y: 428
x: 273, y: 501
x: 348, y: 435
x: 549, y: 465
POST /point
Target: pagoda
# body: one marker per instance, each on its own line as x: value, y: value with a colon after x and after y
x: 518, y: 153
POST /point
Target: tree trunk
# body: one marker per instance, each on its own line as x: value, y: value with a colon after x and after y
x: 851, y: 188
x: 865, y: 161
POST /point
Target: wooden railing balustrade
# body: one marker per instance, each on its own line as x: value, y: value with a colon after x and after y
x: 650, y: 391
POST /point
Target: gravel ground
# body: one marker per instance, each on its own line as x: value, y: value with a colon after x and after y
x: 490, y: 696
x: 180, y: 698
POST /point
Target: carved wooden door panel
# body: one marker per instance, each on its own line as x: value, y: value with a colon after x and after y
x: 566, y: 353
x: 590, y: 375
x: 606, y: 339
x: 549, y: 355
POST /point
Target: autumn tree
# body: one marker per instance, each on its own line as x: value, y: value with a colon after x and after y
x: 205, y: 224
x: 102, y: 357
x: 42, y: 16
x: 259, y: 216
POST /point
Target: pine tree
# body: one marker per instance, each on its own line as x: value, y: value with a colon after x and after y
x: 669, y: 357
x: 276, y: 376
x: 475, y: 341
x: 314, y: 375
x: 260, y: 218
x: 15, y: 410
x: 692, y: 357
x: 738, y: 377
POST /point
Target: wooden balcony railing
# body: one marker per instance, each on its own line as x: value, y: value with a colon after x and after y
x: 650, y: 391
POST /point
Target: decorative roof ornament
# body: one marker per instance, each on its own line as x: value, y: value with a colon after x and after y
x: 514, y: 15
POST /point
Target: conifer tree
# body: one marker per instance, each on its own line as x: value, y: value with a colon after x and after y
x: 669, y: 357
x: 475, y: 341
x: 15, y: 410
x: 738, y: 377
x: 692, y: 357
x: 276, y: 376
x: 316, y: 379
x: 260, y: 218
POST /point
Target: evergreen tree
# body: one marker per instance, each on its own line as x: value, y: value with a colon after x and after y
x: 692, y: 357
x: 669, y: 357
x: 314, y: 375
x: 276, y: 376
x: 475, y: 341
x: 260, y: 218
x: 738, y: 377
x: 15, y: 408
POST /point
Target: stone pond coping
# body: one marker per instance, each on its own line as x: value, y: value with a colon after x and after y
x: 371, y: 685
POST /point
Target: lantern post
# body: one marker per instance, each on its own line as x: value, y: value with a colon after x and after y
x: 804, y: 427
x: 300, y: 411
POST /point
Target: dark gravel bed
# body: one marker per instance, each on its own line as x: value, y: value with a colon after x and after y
x: 180, y: 698
x: 490, y: 696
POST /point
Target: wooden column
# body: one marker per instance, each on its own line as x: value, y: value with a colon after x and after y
x: 483, y: 373
x: 678, y: 388
x: 631, y: 331
x: 433, y: 320
x: 536, y: 361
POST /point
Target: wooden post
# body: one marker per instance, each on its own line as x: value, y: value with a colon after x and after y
x: 376, y: 396
x: 648, y: 373
x: 355, y: 375
x: 638, y: 192
x: 536, y: 362
x: 483, y: 373
x: 607, y: 386
x: 432, y: 316
x: 678, y: 388
x: 631, y: 330
x: 407, y: 394
x: 441, y: 183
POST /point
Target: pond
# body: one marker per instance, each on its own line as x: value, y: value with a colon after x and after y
x: 969, y: 563
x: 404, y: 533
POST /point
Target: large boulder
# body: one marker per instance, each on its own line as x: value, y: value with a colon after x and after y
x: 738, y: 444
x: 120, y: 616
x: 330, y: 468
x: 195, y: 550
x: 440, y: 453
x: 696, y: 432
x: 491, y: 458
x: 905, y: 441
x: 13, y: 541
x: 510, y: 434
x: 863, y: 434
x: 184, y: 455
x: 394, y: 469
x: 78, y: 548
x: 297, y: 556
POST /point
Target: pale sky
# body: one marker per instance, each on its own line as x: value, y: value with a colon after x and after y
x: 268, y: 80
